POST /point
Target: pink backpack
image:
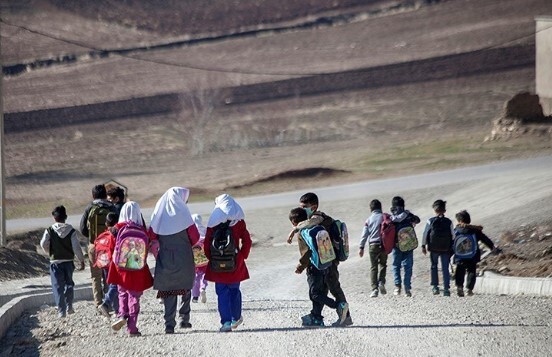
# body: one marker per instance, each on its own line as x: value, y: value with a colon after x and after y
x: 131, y: 247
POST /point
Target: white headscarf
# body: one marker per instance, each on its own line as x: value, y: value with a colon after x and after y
x: 226, y: 209
x: 130, y: 212
x: 171, y: 214
x: 199, y: 224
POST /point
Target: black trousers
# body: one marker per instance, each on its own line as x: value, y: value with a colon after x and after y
x: 463, y: 267
x: 318, y: 291
x: 332, y: 280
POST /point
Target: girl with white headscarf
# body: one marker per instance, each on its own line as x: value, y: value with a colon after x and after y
x: 130, y: 284
x: 172, y: 225
x: 227, y: 284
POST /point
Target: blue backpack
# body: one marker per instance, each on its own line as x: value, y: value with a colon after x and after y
x: 320, y: 244
x: 465, y: 245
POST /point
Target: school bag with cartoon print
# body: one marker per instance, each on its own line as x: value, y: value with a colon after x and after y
x: 223, y: 249
x: 340, y: 238
x: 406, y: 236
x: 387, y: 233
x: 131, y: 247
x: 102, y: 252
x: 465, y: 245
x: 320, y: 245
x: 200, y: 260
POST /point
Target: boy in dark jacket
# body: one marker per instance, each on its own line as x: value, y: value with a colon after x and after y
x: 318, y: 290
x: 309, y: 202
x: 469, y: 266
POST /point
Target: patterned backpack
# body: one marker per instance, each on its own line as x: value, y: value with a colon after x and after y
x: 320, y: 245
x: 131, y: 247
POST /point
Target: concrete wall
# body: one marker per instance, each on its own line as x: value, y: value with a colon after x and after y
x: 543, y: 78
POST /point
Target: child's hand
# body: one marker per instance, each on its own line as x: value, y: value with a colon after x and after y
x: 298, y: 271
x: 290, y: 236
x: 81, y: 266
x: 424, y: 250
x: 361, y: 253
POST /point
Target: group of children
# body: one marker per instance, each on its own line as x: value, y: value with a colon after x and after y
x: 188, y: 255
x: 119, y: 243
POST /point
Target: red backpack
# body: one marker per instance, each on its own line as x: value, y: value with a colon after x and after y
x: 102, y: 250
x: 387, y: 233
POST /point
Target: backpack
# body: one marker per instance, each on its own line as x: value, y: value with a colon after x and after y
x: 406, y: 236
x: 96, y: 221
x: 200, y: 260
x: 465, y: 245
x: 340, y: 239
x: 223, y: 249
x: 440, y: 236
x: 131, y: 247
x: 320, y: 245
x: 102, y: 250
x: 387, y: 233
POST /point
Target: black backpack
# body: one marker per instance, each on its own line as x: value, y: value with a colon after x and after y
x: 223, y: 249
x: 440, y: 235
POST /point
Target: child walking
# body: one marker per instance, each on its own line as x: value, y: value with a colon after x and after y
x: 309, y: 202
x: 200, y: 284
x: 318, y: 289
x: 130, y: 283
x: 438, y: 235
x: 172, y: 225
x: 110, y: 301
x: 378, y: 258
x: 403, y: 254
x: 468, y: 265
x: 228, y: 215
x: 61, y: 243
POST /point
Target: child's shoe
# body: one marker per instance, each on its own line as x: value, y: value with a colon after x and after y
x: 435, y: 290
x: 382, y: 289
x: 70, y: 310
x: 102, y: 309
x: 407, y: 293
x: 306, y: 320
x: 135, y: 334
x: 183, y: 324
x: 226, y: 327
x: 397, y: 290
x: 348, y: 322
x: 460, y: 291
x: 314, y: 323
x: 117, y: 325
x: 236, y: 323
x: 169, y: 330
x: 470, y: 292
x: 374, y: 293
x: 342, y: 310
x: 61, y: 315
x: 195, y: 299
x: 446, y: 292
x: 203, y: 295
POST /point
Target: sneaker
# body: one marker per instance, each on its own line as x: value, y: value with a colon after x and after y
x: 117, y: 325
x: 195, y: 299
x: 435, y: 290
x: 397, y: 290
x: 470, y: 292
x: 169, y: 330
x: 342, y: 310
x: 61, y: 315
x: 306, y: 320
x: 183, y: 324
x: 446, y: 292
x: 102, y: 309
x: 407, y: 293
x: 314, y: 323
x: 226, y: 327
x: 236, y: 323
x: 70, y: 310
x: 382, y: 289
x: 135, y: 334
x: 348, y: 322
x: 374, y: 293
x: 203, y: 296
x: 460, y: 291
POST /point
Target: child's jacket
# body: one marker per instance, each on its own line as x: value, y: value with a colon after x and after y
x: 463, y: 228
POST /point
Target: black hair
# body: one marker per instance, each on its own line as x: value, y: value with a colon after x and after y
x: 99, y: 192
x: 397, y: 201
x: 111, y: 219
x: 59, y: 213
x: 463, y: 217
x: 440, y: 206
x: 374, y: 205
x: 297, y: 215
x: 117, y: 192
x: 309, y: 198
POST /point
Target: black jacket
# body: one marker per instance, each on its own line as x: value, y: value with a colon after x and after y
x: 479, y: 235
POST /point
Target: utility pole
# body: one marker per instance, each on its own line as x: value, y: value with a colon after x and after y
x: 3, y: 238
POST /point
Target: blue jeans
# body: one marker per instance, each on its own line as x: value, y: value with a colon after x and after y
x: 111, y: 297
x: 229, y: 301
x: 61, y: 276
x: 434, y: 258
x: 405, y: 260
